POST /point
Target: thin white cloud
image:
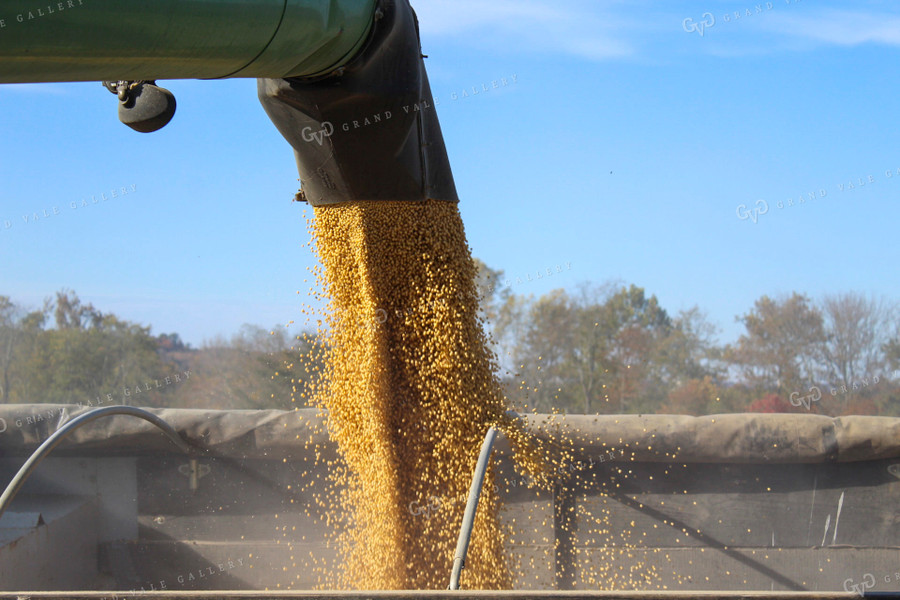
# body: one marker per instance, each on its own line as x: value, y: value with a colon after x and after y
x: 586, y: 29
x: 791, y: 27
x: 839, y: 27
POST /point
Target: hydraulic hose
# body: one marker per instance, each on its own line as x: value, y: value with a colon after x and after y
x: 60, y: 434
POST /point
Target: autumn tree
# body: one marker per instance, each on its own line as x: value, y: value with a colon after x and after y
x: 892, y: 355
x: 604, y: 349
x: 171, y: 342
x: 537, y: 336
x: 770, y: 403
x: 81, y: 356
x: 693, y: 397
x: 9, y: 335
x: 782, y: 348
x: 857, y: 333
x: 636, y: 329
x: 491, y: 292
x: 256, y: 368
x: 690, y: 351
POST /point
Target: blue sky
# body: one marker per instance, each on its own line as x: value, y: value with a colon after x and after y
x: 623, y: 147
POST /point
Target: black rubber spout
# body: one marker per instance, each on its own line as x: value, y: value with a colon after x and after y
x: 369, y: 130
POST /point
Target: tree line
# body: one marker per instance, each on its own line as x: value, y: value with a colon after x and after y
x: 612, y: 348
x: 69, y: 352
x: 598, y: 349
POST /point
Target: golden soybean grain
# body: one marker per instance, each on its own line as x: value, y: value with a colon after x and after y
x: 410, y: 390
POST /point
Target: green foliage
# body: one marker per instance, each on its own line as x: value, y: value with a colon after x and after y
x: 88, y: 357
x: 71, y: 353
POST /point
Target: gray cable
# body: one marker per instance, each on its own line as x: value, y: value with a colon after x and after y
x: 59, y: 435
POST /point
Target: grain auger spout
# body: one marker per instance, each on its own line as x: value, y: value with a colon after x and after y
x: 343, y: 80
x: 368, y: 130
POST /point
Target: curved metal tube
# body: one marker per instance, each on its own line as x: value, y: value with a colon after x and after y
x: 110, y: 40
x: 468, y: 522
x: 465, y: 533
x: 60, y: 434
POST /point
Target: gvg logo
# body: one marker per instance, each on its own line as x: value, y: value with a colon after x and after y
x: 860, y: 588
x: 708, y: 20
x: 760, y: 208
x: 309, y: 134
x: 417, y: 508
x: 690, y: 26
x: 815, y: 394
